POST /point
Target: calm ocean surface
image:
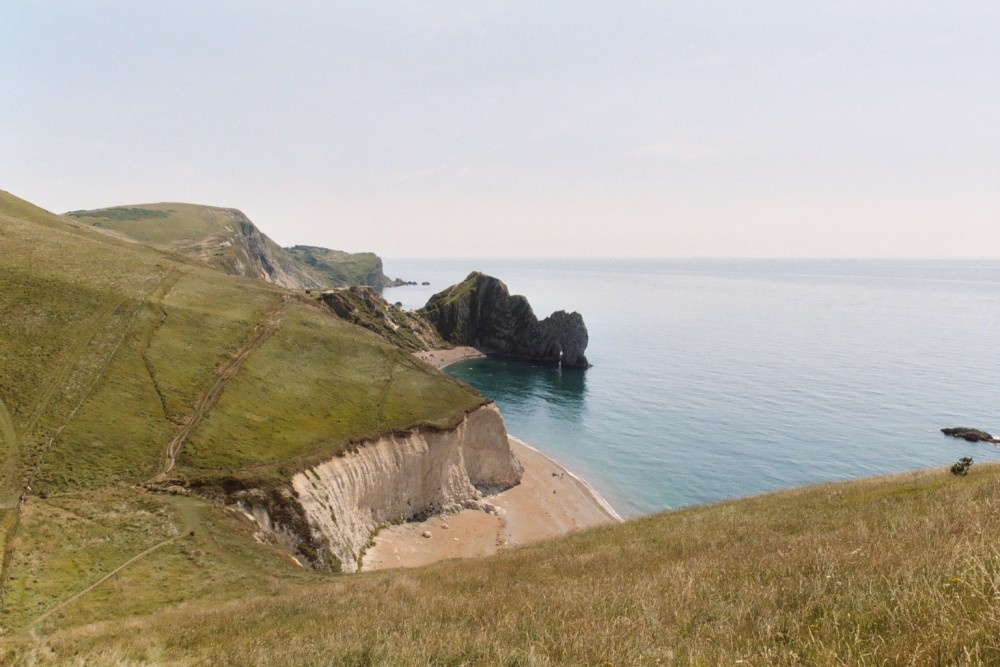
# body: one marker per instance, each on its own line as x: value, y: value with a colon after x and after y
x: 716, y: 379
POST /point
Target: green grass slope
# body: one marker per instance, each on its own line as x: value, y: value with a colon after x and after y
x: 899, y: 570
x: 124, y: 366
x: 227, y: 240
x: 111, y: 349
x: 337, y: 268
x: 162, y: 225
x: 220, y: 237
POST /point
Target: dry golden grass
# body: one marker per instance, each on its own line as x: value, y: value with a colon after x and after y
x: 896, y: 571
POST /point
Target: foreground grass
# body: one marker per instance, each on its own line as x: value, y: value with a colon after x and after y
x: 73, y: 541
x: 899, y: 570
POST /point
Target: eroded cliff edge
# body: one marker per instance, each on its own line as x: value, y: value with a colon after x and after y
x: 333, y: 508
x: 481, y: 312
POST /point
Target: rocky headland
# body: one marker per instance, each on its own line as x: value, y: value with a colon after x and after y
x: 481, y: 312
x: 226, y: 239
x: 336, y: 268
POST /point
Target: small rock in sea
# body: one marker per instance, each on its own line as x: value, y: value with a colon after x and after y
x: 970, y: 434
x: 426, y: 533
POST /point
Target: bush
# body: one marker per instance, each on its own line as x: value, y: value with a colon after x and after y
x: 962, y: 467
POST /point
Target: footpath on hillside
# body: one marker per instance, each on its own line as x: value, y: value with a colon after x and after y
x: 261, y: 332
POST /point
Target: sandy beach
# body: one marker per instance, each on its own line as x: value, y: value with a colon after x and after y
x: 442, y: 358
x: 548, y: 502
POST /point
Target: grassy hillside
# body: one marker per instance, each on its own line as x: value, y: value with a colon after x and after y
x: 226, y: 239
x: 161, y: 225
x: 125, y: 366
x: 111, y: 347
x: 900, y: 570
x: 220, y: 237
x: 337, y: 268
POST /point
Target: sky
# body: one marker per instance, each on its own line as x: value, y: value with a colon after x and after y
x: 795, y: 128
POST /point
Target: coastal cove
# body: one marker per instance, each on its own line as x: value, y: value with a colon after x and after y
x: 716, y: 379
x: 549, y: 502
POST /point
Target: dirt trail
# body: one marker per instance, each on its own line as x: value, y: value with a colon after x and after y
x: 100, y: 581
x: 264, y: 328
x: 71, y: 358
x: 160, y: 297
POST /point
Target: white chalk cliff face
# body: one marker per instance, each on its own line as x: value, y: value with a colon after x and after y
x: 401, y: 477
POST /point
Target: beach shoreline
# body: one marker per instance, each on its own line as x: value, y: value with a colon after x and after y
x: 598, y: 498
x: 549, y: 502
x: 445, y: 357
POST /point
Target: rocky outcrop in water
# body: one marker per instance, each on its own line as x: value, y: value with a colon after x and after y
x: 398, y: 282
x: 970, y: 434
x: 481, y: 312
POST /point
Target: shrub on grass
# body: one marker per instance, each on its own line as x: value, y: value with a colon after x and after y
x: 962, y: 466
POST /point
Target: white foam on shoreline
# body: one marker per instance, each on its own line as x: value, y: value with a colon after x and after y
x: 465, y: 358
x: 595, y: 494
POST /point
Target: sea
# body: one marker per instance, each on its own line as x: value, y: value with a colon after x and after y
x: 718, y: 379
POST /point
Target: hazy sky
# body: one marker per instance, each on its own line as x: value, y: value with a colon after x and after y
x: 792, y: 128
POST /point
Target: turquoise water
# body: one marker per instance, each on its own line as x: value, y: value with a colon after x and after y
x: 717, y: 379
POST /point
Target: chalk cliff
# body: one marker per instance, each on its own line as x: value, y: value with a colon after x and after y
x: 481, y: 312
x: 334, y: 507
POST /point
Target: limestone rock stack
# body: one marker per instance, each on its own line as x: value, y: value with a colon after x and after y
x: 481, y: 312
